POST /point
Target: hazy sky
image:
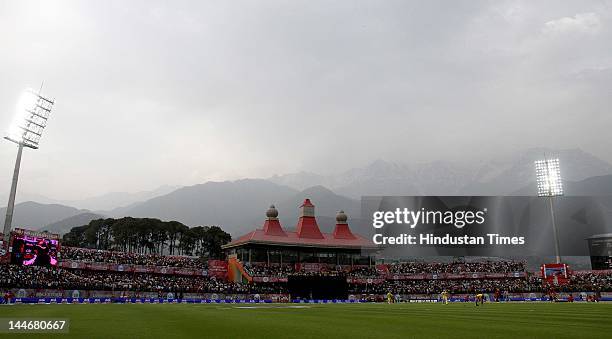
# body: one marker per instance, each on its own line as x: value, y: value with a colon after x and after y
x: 151, y: 93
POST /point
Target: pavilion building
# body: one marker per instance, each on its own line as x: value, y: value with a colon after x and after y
x: 272, y: 244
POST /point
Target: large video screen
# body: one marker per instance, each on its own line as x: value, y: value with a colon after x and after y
x: 555, y: 271
x: 32, y: 250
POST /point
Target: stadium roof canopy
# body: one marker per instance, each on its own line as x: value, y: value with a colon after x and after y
x: 307, y: 233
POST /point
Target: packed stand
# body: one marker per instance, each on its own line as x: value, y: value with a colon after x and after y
x: 261, y: 270
x: 503, y: 266
x: 363, y: 272
x: 36, y: 277
x: 274, y: 270
x: 587, y: 282
x: 452, y: 286
x: 129, y: 258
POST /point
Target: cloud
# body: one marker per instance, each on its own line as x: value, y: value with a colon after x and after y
x: 581, y: 22
x: 151, y: 93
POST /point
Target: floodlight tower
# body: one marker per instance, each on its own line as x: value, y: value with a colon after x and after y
x: 548, y: 178
x: 30, y: 120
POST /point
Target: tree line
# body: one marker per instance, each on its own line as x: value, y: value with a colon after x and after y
x: 149, y: 236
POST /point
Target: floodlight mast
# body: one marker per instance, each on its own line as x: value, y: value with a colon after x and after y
x: 548, y: 177
x: 555, y: 232
x: 11, y: 203
x: 31, y: 119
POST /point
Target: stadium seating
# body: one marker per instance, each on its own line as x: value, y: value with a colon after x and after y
x: 189, y: 275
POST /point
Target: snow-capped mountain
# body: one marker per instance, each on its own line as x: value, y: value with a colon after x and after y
x: 488, y: 177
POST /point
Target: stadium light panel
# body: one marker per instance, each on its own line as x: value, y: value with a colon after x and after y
x: 548, y: 178
x: 30, y: 119
x: 26, y: 130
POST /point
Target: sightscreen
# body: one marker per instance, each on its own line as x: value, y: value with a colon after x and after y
x: 317, y: 287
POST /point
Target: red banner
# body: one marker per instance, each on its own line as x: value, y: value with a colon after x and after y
x: 362, y: 281
x: 598, y: 272
x: 454, y: 276
x: 73, y: 264
x: 164, y: 270
x: 121, y: 267
x: 451, y: 276
x: 96, y: 266
x: 185, y: 271
x: 144, y: 269
x: 217, y: 268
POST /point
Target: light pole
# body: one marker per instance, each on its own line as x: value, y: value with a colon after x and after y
x: 30, y: 120
x: 548, y: 178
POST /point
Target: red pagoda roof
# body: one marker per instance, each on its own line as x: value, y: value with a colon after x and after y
x: 307, y: 232
x: 342, y: 231
x: 307, y: 227
x: 273, y: 227
x: 293, y: 239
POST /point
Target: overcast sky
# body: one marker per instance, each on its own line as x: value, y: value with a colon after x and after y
x: 151, y: 93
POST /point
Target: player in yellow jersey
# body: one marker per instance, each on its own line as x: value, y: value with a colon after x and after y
x: 479, y: 298
x: 445, y: 297
x: 389, y: 297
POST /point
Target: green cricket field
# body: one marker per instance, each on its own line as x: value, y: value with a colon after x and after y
x: 408, y: 320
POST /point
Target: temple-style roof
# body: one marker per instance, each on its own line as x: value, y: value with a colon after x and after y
x: 307, y: 233
x: 342, y: 230
x: 272, y: 225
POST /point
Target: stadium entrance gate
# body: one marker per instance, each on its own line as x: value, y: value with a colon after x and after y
x: 317, y: 287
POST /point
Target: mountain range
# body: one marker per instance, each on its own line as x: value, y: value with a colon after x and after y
x: 489, y: 177
x: 36, y: 215
x: 104, y: 202
x: 236, y: 205
x: 239, y: 206
x: 65, y: 225
x: 52, y: 217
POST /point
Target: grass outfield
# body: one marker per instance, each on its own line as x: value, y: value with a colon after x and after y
x: 516, y: 320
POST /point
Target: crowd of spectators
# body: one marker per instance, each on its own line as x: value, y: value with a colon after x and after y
x: 363, y: 271
x: 283, y: 271
x: 34, y: 277
x: 119, y: 257
x: 261, y: 270
x: 589, y: 282
x: 502, y: 266
x: 37, y: 277
x: 469, y: 286
x: 407, y: 268
x: 326, y: 272
x: 532, y: 283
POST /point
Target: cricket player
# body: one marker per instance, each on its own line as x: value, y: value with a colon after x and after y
x: 479, y: 298
x: 445, y: 297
